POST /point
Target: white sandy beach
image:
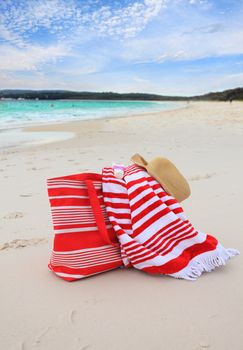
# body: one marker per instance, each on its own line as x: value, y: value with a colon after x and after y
x: 124, y: 309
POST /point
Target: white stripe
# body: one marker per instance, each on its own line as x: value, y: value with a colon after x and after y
x: 121, y: 221
x: 119, y: 210
x: 157, y: 225
x: 86, y: 259
x: 117, y: 228
x: 75, y: 212
x: 91, y: 265
x: 65, y: 260
x: 132, y: 251
x: 70, y: 196
x: 116, y: 200
x: 87, y: 256
x: 75, y: 220
x: 175, y: 239
x: 71, y: 207
x: 161, y: 260
x: 137, y: 186
x: 113, y: 188
x: 146, y: 255
x: 62, y: 274
x: 104, y: 247
x: 63, y: 180
x: 70, y: 223
x: 73, y: 216
x: 167, y: 237
x: 65, y: 186
x: 140, y: 196
x: 165, y: 233
x: 113, y: 178
x: 173, y: 206
x: 73, y: 183
x: 143, y: 206
x: 148, y: 216
x: 136, y: 176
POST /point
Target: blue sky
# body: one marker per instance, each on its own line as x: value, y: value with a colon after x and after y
x: 170, y: 47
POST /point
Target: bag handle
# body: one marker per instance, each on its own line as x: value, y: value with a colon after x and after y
x: 95, y: 204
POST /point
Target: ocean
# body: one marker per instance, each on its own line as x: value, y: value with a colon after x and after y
x: 16, y: 114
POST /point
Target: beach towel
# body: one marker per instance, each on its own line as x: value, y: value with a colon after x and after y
x: 84, y: 241
x: 154, y: 234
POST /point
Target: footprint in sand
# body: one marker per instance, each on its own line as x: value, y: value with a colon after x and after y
x: 201, y: 177
x: 34, y: 168
x: 14, y: 215
x: 22, y: 345
x: 28, y: 194
x: 38, y: 339
x: 72, y: 316
x: 21, y: 243
x: 204, y: 342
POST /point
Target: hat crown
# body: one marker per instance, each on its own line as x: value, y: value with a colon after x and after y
x: 167, y: 174
x: 139, y: 160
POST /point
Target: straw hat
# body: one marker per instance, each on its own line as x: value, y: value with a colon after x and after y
x: 166, y: 173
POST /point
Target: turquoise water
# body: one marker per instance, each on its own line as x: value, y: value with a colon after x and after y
x: 33, y: 112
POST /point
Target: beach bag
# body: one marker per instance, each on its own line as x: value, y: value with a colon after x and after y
x: 84, y: 240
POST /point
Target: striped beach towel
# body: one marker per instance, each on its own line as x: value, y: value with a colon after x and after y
x: 154, y: 234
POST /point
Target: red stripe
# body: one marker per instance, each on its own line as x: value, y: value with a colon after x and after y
x: 120, y: 215
x: 85, y: 271
x: 183, y: 260
x: 146, y: 211
x: 150, y: 221
x: 114, y: 182
x: 160, y: 234
x: 179, y: 241
x: 115, y: 195
x: 138, y: 261
x: 184, y: 231
x: 128, y: 244
x: 116, y: 205
x: 138, y: 191
x: 141, y: 201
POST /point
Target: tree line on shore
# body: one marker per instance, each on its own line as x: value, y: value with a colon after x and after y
x: 227, y: 95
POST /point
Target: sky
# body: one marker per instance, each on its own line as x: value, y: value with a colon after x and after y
x: 168, y: 47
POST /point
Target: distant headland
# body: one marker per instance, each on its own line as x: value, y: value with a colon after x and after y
x: 227, y: 95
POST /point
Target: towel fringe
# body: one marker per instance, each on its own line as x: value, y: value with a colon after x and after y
x: 206, y: 262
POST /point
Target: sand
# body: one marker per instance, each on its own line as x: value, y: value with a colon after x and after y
x: 124, y: 309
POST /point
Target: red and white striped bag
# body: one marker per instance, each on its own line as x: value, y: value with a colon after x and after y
x: 85, y: 242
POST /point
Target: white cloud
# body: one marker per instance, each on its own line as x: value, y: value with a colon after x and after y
x: 126, y: 21
x: 29, y: 58
x: 62, y: 18
x: 178, y: 46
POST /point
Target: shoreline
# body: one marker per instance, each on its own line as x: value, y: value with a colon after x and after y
x: 50, y: 129
x: 39, y: 127
x: 36, y: 128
